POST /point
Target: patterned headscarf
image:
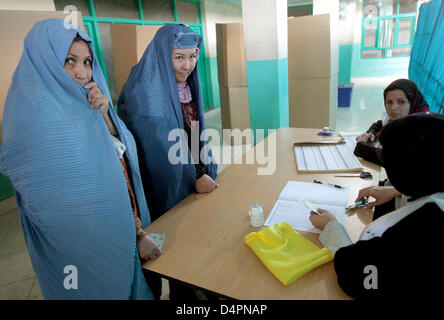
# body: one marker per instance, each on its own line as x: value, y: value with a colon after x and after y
x: 416, y: 100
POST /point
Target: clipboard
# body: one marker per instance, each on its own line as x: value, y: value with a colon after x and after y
x: 325, y: 156
x: 320, y: 141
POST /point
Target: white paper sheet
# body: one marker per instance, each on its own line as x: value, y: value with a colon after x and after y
x: 337, y: 157
x: 289, y: 210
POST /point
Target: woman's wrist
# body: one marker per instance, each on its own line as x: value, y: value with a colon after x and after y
x: 109, y: 123
x: 395, y: 193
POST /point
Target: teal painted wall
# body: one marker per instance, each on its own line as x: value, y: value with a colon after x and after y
x: 345, y: 63
x: 268, y: 94
x: 377, y: 67
x: 213, y: 82
x: 6, y: 189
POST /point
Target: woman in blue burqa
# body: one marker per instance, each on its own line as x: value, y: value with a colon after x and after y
x: 161, y: 104
x: 74, y: 168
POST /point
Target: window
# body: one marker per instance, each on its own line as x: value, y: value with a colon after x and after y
x: 122, y: 9
x: 187, y: 11
x: 159, y: 10
x: 300, y: 10
x: 388, y: 27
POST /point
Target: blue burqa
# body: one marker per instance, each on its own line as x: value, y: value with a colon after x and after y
x: 69, y: 184
x: 150, y: 107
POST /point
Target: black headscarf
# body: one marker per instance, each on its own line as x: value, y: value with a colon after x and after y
x: 415, y: 97
x: 411, y: 152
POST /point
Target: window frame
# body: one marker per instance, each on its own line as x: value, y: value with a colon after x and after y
x: 309, y: 5
x: 412, y: 16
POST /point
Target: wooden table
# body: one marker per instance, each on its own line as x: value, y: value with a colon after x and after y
x: 205, y: 244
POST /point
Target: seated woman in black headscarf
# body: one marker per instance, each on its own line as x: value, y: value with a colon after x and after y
x: 401, y: 98
x: 395, y: 254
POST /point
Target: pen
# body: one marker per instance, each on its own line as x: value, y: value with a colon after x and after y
x: 333, y: 185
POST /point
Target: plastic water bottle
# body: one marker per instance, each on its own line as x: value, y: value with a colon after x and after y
x: 256, y: 215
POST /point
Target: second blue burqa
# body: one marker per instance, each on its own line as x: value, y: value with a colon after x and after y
x: 150, y: 107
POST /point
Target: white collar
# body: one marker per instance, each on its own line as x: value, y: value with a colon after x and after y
x: 379, y: 226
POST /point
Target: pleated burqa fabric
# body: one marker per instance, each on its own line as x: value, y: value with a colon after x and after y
x: 426, y: 66
x: 150, y: 107
x: 71, y: 192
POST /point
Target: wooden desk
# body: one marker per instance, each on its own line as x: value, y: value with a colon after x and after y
x: 205, y: 244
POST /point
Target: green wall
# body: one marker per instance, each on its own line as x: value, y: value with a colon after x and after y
x: 6, y: 189
x: 377, y: 67
x: 345, y: 62
x: 213, y: 82
x: 351, y: 65
x: 268, y: 94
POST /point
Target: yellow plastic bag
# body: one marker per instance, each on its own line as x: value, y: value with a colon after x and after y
x: 286, y: 253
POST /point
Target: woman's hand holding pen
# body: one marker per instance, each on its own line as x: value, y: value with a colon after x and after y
x: 321, y: 220
x: 381, y: 194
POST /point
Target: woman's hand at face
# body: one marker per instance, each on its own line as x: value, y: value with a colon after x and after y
x: 321, y: 220
x: 205, y: 184
x: 365, y: 137
x: 97, y: 98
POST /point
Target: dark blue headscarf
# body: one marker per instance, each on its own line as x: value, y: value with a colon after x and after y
x: 71, y: 192
x: 150, y: 107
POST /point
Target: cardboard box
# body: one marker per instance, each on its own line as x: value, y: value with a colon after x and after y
x: 312, y: 47
x: 232, y: 76
x: 231, y: 55
x: 15, y: 25
x: 235, y: 109
x: 129, y: 44
x: 313, y: 102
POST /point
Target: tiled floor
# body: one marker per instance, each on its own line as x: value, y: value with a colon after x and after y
x: 17, y: 278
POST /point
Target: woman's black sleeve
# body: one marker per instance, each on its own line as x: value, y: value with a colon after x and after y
x: 375, y: 128
x: 368, y: 152
x: 200, y: 170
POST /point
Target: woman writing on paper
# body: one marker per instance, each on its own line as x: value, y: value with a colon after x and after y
x: 75, y: 171
x: 161, y: 100
x: 395, y: 254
